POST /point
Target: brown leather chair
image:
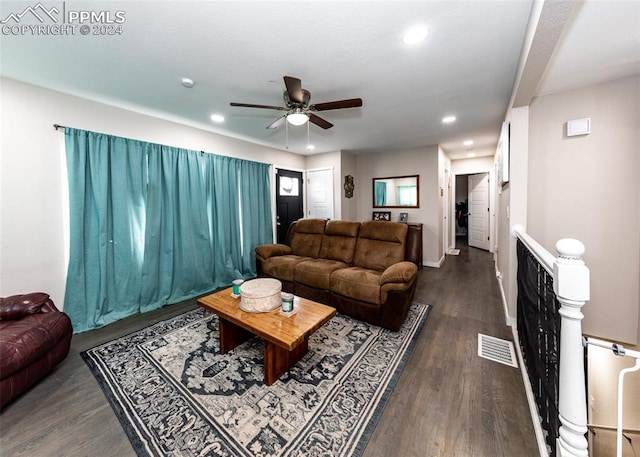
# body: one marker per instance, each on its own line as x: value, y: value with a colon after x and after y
x: 34, y: 337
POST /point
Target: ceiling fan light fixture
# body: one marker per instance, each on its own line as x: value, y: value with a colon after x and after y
x: 297, y: 118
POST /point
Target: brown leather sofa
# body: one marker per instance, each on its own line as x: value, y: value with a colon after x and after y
x: 34, y: 338
x: 367, y: 270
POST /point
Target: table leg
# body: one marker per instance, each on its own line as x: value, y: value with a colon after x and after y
x: 231, y: 335
x: 277, y: 361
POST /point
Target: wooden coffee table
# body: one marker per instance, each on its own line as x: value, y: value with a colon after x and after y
x: 286, y: 338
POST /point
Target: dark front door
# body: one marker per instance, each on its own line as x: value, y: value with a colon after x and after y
x: 288, y: 200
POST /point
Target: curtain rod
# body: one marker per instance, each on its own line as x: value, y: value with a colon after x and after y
x: 58, y: 127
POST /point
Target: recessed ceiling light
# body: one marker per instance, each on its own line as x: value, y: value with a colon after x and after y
x: 415, y: 35
x: 448, y: 119
x: 468, y: 142
x: 311, y: 147
x: 188, y: 83
x: 471, y: 154
x: 217, y: 118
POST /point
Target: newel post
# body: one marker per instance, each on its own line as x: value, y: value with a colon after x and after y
x: 571, y: 286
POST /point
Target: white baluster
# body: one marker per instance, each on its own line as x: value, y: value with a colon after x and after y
x: 571, y: 286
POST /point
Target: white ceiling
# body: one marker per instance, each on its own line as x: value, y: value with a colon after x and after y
x: 239, y: 52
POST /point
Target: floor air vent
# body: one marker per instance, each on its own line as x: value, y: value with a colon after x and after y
x: 497, y: 350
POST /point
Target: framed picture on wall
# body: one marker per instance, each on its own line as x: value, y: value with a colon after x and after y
x: 381, y: 215
x: 404, y: 217
x: 502, y: 155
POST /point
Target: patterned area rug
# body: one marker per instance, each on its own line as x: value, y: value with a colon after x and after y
x: 175, y: 395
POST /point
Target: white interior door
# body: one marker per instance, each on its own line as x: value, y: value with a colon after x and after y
x: 445, y: 212
x: 320, y: 193
x: 478, y: 210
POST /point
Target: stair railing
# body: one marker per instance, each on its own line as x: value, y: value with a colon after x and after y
x: 571, y: 288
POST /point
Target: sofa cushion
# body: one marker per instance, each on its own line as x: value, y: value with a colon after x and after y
x: 339, y: 241
x: 19, y: 306
x: 401, y: 273
x: 269, y: 250
x: 307, y: 238
x: 282, y: 267
x: 380, y: 244
x: 317, y: 272
x: 358, y: 283
x: 26, y: 340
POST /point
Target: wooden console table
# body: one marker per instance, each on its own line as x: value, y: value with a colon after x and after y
x: 415, y: 230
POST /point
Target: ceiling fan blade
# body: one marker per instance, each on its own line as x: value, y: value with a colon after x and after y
x: 277, y: 123
x: 294, y: 89
x: 250, y: 105
x: 338, y: 104
x: 319, y: 121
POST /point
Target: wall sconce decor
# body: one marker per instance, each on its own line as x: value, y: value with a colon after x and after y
x: 348, y: 186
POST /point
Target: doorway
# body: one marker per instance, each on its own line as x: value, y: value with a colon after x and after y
x: 289, y: 201
x: 471, y: 221
x: 320, y: 193
x: 478, y: 214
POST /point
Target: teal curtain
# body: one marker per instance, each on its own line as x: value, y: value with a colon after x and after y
x: 239, y: 211
x: 225, y: 218
x: 152, y: 225
x: 255, y: 206
x: 381, y: 193
x: 107, y: 192
x: 177, y: 253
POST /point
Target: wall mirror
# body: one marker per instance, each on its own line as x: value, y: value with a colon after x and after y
x: 396, y: 192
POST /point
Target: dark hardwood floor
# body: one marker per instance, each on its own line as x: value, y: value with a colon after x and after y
x: 448, y: 402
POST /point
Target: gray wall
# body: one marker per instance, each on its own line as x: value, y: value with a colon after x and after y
x: 422, y: 161
x: 349, y: 164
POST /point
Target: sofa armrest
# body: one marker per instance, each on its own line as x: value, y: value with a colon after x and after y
x: 18, y: 306
x: 271, y: 250
x: 401, y: 272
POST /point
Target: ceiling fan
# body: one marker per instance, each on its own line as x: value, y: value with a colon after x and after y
x: 298, y: 110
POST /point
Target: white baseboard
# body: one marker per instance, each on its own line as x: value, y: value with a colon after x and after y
x: 434, y: 264
x: 510, y: 320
